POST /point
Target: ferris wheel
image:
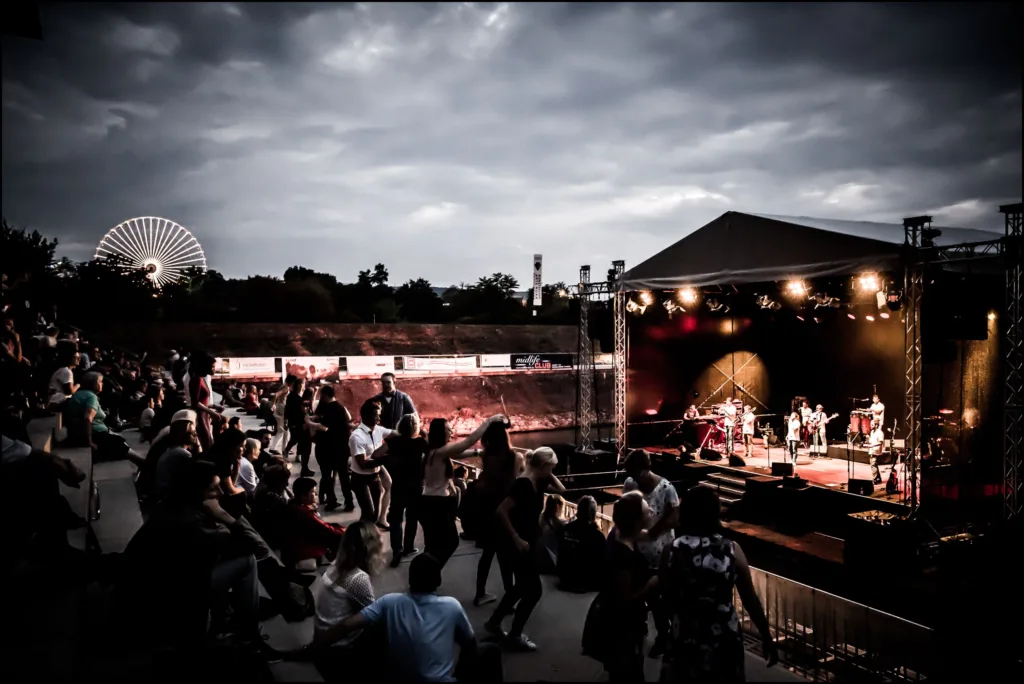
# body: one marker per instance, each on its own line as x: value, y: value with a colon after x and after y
x: 160, y: 246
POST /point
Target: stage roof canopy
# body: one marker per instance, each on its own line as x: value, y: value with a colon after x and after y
x: 739, y: 248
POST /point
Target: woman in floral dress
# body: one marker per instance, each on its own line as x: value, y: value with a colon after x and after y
x: 698, y: 573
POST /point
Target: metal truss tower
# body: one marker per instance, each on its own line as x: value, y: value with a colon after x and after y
x: 1013, y: 392
x: 621, y: 352
x: 585, y: 363
x: 914, y: 229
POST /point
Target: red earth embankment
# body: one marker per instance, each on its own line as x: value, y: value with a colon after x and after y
x: 335, y: 339
x: 535, y: 401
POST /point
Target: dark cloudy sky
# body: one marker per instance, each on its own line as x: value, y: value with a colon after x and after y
x: 454, y: 140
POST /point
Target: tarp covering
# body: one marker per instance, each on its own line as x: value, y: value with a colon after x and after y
x: 740, y: 248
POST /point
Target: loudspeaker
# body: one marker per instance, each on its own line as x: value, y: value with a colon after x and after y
x: 736, y: 462
x: 782, y: 469
x: 710, y: 455
x: 858, y: 486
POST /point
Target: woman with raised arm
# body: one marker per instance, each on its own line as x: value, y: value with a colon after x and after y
x: 501, y: 467
x: 439, y: 503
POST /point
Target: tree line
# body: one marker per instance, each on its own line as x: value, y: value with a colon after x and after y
x: 110, y: 289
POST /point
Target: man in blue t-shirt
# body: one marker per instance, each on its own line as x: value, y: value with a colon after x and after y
x: 422, y: 628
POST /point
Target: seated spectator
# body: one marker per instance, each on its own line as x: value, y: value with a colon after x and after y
x: 87, y: 426
x: 342, y: 591
x: 294, y: 527
x: 459, y: 480
x: 62, y: 383
x: 202, y: 541
x: 226, y: 455
x: 421, y: 629
x: 171, y: 455
x: 551, y: 525
x: 29, y: 482
x: 247, y: 478
x: 251, y: 401
x: 581, y: 553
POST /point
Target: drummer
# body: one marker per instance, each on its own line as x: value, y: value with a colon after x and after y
x: 877, y: 409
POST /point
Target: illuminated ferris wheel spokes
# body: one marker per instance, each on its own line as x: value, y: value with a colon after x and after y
x: 164, y: 249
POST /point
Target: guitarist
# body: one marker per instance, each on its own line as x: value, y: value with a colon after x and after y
x: 816, y: 426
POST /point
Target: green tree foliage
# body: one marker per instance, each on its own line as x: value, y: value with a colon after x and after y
x: 111, y: 289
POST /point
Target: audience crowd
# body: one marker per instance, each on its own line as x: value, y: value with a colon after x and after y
x: 223, y: 517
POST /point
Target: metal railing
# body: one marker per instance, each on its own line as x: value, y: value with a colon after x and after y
x: 825, y: 638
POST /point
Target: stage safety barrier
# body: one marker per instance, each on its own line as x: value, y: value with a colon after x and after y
x: 334, y: 368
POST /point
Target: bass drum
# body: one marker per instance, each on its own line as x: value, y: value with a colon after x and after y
x: 708, y: 431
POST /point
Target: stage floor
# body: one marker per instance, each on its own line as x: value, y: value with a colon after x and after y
x: 823, y: 472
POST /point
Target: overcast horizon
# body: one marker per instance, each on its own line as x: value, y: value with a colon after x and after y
x: 451, y: 141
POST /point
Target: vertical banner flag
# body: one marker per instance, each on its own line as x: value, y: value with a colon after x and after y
x: 538, y: 294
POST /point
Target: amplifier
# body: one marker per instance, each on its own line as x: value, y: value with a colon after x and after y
x: 736, y: 462
x: 858, y: 486
x: 782, y: 469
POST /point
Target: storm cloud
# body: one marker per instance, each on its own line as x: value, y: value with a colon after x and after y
x: 451, y: 141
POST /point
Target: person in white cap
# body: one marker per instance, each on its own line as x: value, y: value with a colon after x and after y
x: 149, y: 474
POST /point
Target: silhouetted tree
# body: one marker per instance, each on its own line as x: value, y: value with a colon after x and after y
x: 418, y: 302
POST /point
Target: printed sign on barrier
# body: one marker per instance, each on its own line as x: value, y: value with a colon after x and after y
x: 495, y: 360
x: 370, y: 365
x: 541, y: 361
x: 448, y: 364
x: 254, y: 368
x: 312, y: 368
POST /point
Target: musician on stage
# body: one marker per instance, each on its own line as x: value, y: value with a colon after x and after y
x: 875, y: 444
x: 690, y: 417
x: 691, y: 413
x: 793, y: 435
x: 747, y: 421
x: 877, y: 409
x: 819, y: 438
x: 805, y: 417
x: 728, y: 412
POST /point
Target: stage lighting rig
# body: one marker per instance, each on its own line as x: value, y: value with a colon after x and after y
x: 671, y: 307
x: 893, y: 297
x: 717, y: 307
x: 796, y: 288
x: 868, y: 282
x: 823, y: 301
x: 687, y: 296
x: 634, y: 308
x: 928, y: 236
x: 767, y: 303
x: 646, y: 298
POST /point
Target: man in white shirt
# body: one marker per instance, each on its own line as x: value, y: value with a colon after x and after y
x: 747, y: 421
x: 363, y: 441
x: 875, y: 446
x: 728, y: 412
x: 877, y: 410
x: 805, y: 418
x: 247, y: 479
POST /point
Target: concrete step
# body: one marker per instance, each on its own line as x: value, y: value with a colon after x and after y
x: 729, y: 480
x: 724, y: 490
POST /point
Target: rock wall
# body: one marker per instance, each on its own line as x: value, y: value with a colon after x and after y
x: 535, y: 401
x: 335, y: 339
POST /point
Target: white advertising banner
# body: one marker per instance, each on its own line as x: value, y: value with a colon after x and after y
x: 312, y: 368
x: 495, y: 360
x: 370, y: 365
x: 255, y: 368
x: 444, y: 364
x: 538, y: 282
x: 604, y: 360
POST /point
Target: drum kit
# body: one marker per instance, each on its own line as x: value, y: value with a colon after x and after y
x: 860, y: 426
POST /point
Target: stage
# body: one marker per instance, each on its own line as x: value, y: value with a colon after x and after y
x: 828, y: 473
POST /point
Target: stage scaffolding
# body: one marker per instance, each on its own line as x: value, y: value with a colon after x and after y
x: 918, y: 252
x: 585, y: 364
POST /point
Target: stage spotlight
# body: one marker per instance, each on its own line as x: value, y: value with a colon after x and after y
x: 870, y: 318
x: 796, y: 288
x: 884, y: 314
x: 800, y: 318
x: 991, y: 315
x: 868, y: 282
x: 688, y: 296
x: 894, y: 298
x: 766, y: 302
x: 646, y: 298
x: 634, y: 308
x: 851, y: 316
x: 671, y: 307
x: 817, y: 320
x: 717, y: 307
x: 822, y: 301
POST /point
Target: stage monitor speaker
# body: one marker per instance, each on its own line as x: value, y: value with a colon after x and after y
x: 710, y: 455
x: 782, y: 469
x: 858, y: 486
x: 736, y: 462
